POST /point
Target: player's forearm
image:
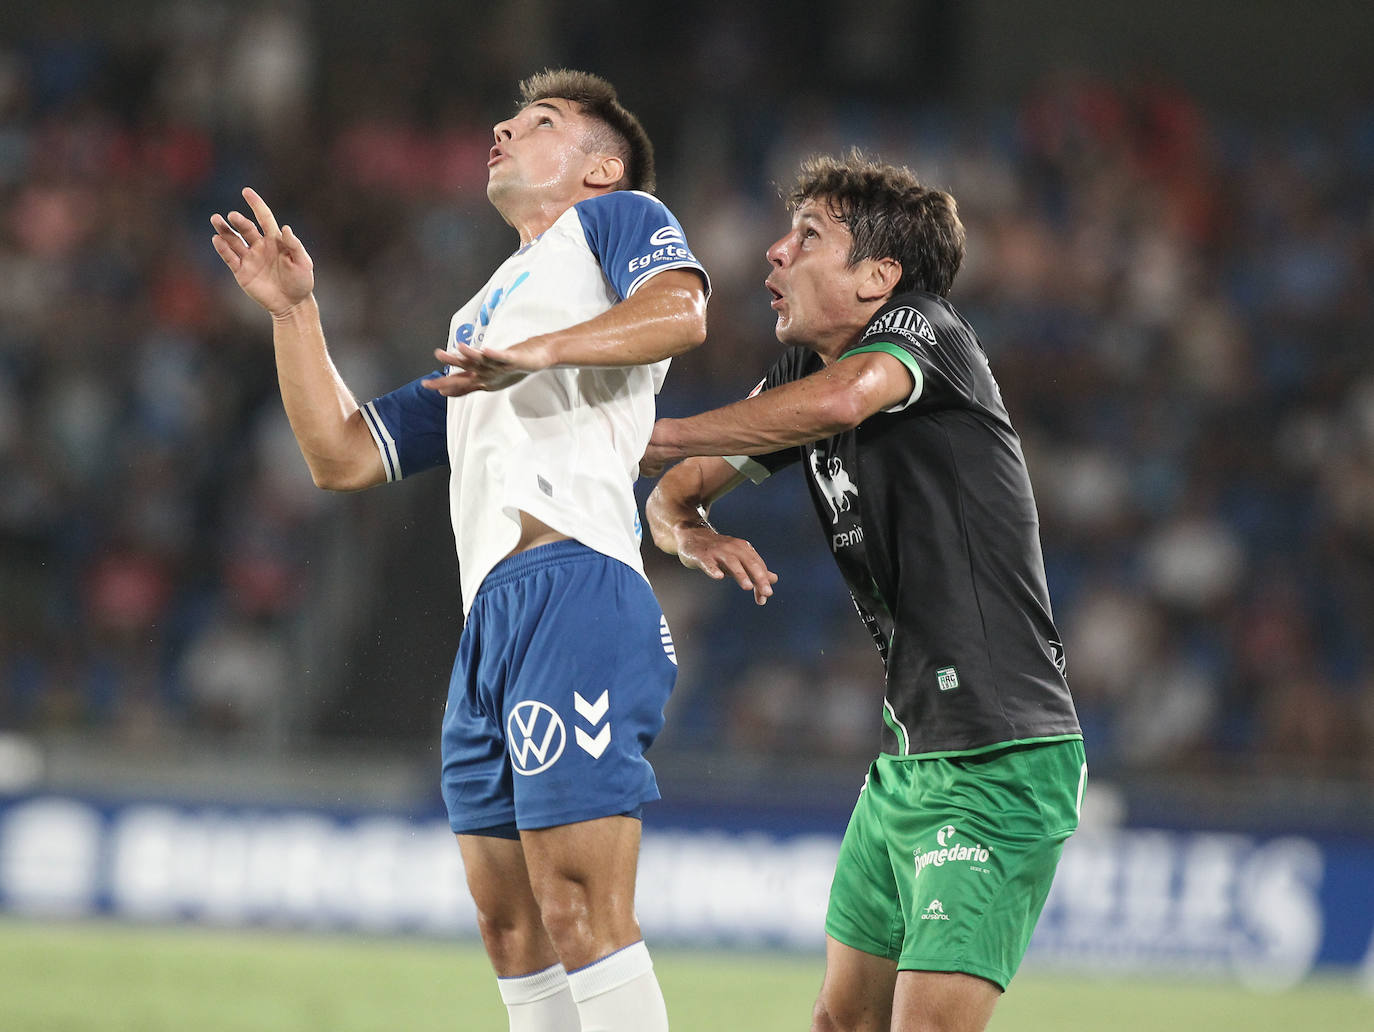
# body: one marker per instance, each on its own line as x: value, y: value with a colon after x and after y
x: 323, y: 413
x: 655, y: 323
x: 821, y: 405
x: 787, y: 416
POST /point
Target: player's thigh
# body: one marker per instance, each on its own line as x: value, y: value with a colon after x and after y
x: 508, y: 915
x: 942, y: 1001
x: 597, y: 857
x: 856, y: 993
x: 583, y: 876
x: 497, y: 875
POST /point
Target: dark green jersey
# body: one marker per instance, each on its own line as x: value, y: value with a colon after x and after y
x: 928, y: 511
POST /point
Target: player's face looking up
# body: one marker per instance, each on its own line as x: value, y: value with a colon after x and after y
x: 546, y: 151
x: 817, y: 293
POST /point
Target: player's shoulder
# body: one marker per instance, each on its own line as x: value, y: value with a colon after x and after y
x: 916, y: 317
x: 620, y: 204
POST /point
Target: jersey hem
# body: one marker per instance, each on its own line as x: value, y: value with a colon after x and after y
x: 849, y: 937
x: 981, y: 749
x: 1001, y: 979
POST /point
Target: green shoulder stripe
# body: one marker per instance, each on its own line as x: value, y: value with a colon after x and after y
x: 901, y: 355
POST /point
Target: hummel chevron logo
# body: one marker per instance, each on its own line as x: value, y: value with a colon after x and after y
x: 593, y: 713
x: 594, y: 746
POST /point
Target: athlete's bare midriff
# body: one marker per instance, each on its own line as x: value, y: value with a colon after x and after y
x: 533, y: 533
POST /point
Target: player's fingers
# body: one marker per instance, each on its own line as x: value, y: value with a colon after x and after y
x: 472, y: 358
x: 736, y: 570
x: 703, y: 563
x: 226, y: 251
x: 245, y: 227
x: 455, y: 385
x: 230, y: 236
x: 759, y: 572
x: 455, y: 359
x: 264, y: 215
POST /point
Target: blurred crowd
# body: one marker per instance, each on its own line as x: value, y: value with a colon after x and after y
x: 1177, y: 304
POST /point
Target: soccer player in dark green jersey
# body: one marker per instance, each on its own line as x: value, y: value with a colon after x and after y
x: 885, y: 399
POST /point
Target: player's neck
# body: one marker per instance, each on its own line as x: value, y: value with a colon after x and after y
x: 833, y: 343
x: 532, y: 218
x: 832, y: 347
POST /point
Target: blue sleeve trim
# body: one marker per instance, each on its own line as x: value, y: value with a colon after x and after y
x: 410, y: 428
x: 634, y: 237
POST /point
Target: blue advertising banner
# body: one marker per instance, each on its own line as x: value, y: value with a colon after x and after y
x: 1265, y: 910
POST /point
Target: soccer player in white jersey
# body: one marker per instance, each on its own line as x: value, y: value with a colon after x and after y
x: 541, y: 412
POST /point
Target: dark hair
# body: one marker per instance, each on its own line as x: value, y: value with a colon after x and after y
x: 622, y: 137
x: 889, y: 214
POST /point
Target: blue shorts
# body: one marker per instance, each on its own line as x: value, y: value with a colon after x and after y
x: 563, y: 670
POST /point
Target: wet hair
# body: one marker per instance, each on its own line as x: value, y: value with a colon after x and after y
x: 618, y: 132
x: 889, y: 214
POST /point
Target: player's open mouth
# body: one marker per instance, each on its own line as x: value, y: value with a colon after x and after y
x: 496, y: 155
x: 777, y: 294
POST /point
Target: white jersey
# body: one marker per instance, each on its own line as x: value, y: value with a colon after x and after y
x: 563, y: 444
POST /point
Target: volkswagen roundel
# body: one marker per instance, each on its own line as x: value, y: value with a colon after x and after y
x: 535, y: 736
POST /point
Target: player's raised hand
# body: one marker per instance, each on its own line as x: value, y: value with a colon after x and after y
x: 718, y: 556
x: 473, y: 369
x: 268, y: 261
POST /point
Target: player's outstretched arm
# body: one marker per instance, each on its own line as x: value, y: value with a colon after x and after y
x: 272, y: 267
x: 663, y: 318
x: 830, y: 401
x: 677, y: 510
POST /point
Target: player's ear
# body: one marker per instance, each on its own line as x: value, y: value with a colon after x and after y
x: 879, y: 278
x: 606, y: 172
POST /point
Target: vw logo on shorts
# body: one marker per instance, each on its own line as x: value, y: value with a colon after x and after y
x: 535, y: 737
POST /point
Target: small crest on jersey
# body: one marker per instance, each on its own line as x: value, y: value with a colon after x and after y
x: 905, y: 322
x: 934, y: 911
x: 1057, y: 654
x: 544, y: 485
x: 834, y: 483
x: 948, y: 678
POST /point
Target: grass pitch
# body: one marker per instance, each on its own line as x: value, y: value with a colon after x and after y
x: 116, y: 978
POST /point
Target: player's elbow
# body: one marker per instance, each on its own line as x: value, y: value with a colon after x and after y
x: 342, y: 477
x: 691, y: 321
x: 841, y: 409
x: 331, y: 479
x: 854, y: 394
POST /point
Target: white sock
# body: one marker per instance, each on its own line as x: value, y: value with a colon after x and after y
x: 619, y: 993
x: 541, y: 1002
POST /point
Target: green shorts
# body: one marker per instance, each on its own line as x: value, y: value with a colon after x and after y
x: 947, y: 861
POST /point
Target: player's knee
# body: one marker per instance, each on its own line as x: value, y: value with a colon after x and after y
x: 567, y: 916
x: 512, y: 939
x: 822, y: 1020
x: 837, y: 1016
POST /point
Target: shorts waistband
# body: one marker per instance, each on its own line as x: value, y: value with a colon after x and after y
x: 542, y: 557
